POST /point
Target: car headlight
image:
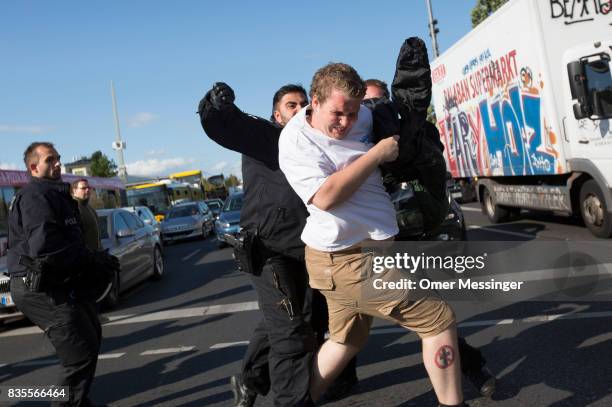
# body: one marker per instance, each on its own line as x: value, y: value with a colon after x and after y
x: 221, y: 224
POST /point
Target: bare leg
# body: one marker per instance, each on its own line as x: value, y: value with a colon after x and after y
x: 329, y: 362
x: 441, y: 358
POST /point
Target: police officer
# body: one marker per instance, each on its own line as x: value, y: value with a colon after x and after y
x: 283, y: 342
x: 46, y: 252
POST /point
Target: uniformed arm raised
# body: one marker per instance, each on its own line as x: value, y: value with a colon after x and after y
x: 231, y: 128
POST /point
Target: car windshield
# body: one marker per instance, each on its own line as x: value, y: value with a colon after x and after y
x: 213, y: 204
x: 182, y: 211
x: 233, y: 204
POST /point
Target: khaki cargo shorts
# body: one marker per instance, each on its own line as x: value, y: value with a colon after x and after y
x: 345, y: 278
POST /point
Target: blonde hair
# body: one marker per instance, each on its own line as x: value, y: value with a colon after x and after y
x: 337, y: 75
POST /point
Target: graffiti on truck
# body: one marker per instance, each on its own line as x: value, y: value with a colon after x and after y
x: 493, y: 122
x: 579, y: 11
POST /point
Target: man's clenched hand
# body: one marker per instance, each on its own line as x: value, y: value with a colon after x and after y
x: 221, y: 95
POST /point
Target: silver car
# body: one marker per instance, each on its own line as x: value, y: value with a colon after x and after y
x: 147, y: 217
x: 187, y: 220
x: 8, y: 310
x: 137, y: 246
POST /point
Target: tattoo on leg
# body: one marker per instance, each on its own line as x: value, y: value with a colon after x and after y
x: 445, y: 357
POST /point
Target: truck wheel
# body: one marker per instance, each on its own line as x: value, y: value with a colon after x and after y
x: 593, y: 210
x: 495, y: 213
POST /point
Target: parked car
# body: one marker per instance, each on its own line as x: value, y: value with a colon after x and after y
x: 145, y: 215
x: 187, y: 220
x: 215, y: 206
x: 228, y: 222
x: 135, y: 244
x: 8, y: 310
x: 410, y: 219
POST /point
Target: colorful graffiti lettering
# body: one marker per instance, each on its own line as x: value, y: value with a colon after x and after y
x: 513, y: 129
x: 504, y: 134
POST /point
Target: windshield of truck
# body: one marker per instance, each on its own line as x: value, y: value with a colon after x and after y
x: 155, y: 198
x: 598, y: 76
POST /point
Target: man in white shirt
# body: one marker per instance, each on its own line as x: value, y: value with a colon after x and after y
x: 325, y: 154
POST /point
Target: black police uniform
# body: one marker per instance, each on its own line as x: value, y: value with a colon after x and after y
x: 44, y: 225
x: 280, y: 352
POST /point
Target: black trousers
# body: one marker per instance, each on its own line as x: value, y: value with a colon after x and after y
x: 74, y: 330
x: 279, y: 355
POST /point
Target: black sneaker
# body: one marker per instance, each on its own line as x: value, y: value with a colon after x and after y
x: 243, y: 396
x: 483, y: 380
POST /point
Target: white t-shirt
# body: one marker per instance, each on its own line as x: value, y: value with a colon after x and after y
x: 307, y: 157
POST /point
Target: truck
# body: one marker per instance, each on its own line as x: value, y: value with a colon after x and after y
x: 523, y: 103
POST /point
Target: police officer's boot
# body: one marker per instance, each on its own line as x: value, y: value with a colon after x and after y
x: 243, y: 396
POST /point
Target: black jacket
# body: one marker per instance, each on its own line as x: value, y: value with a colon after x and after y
x: 44, y: 223
x: 420, y: 149
x: 271, y: 208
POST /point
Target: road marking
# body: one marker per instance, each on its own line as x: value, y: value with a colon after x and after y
x: 167, y: 350
x: 486, y: 323
x: 229, y: 344
x: 191, y: 255
x: 2, y: 365
x: 503, y: 232
x: 469, y: 209
x: 111, y: 355
x: 184, y: 313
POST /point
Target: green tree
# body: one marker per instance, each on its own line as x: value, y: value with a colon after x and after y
x: 431, y: 115
x: 483, y: 9
x: 232, y: 181
x: 102, y: 166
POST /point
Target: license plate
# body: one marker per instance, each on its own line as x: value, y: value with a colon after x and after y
x: 7, y: 300
x: 456, y: 195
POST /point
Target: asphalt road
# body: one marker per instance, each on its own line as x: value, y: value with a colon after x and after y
x: 176, y: 341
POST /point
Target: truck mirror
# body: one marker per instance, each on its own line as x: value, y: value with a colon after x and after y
x: 577, y: 80
x: 579, y: 112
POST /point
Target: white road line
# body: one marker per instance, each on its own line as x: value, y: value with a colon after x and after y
x: 469, y: 209
x: 486, y: 322
x: 184, y: 313
x: 2, y: 365
x: 110, y: 355
x: 229, y: 344
x: 21, y: 331
x: 167, y: 350
x: 190, y: 255
x: 503, y: 232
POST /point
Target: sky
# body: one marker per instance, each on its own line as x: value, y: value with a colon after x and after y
x: 58, y: 59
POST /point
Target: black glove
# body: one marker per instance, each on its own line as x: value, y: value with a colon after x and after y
x: 386, y: 122
x: 221, y: 96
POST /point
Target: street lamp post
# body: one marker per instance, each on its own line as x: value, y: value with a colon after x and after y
x: 433, y: 29
x: 118, y: 145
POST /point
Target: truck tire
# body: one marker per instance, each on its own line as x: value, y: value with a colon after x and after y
x: 495, y: 213
x: 593, y: 210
